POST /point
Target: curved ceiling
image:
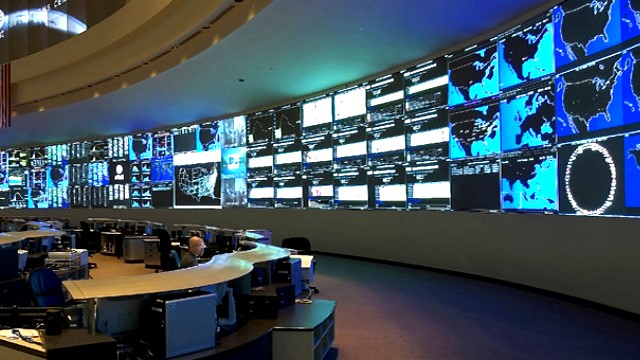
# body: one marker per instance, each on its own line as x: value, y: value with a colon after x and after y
x: 288, y: 51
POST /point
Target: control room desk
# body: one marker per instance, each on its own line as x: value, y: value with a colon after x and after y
x: 301, y: 331
x: 70, y: 345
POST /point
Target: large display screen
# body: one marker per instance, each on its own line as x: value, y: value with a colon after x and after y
x: 473, y: 75
x: 543, y: 117
x: 475, y: 132
x: 526, y: 54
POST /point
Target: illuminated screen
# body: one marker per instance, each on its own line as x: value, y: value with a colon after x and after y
x: 234, y: 177
x: 386, y: 143
x: 629, y: 10
x: 529, y: 182
x: 632, y: 173
x: 351, y: 189
x: 473, y: 76
x: 319, y: 190
x: 475, y: 184
x: 162, y: 169
x: 528, y: 120
x: 387, y: 186
x: 428, y: 185
x: 197, y: 179
x: 288, y: 191
x: 591, y: 177
x: 350, y: 147
x: 475, y: 132
x: 317, y: 114
x: 184, y: 139
x: 287, y: 123
x: 118, y: 147
x: 234, y: 132
x: 589, y: 98
x: 349, y: 106
x: 385, y: 98
x: 526, y: 54
x: 261, y: 193
x: 140, y: 146
x: 260, y: 128
x: 427, y: 135
x: 425, y: 86
x: 584, y: 28
x: 630, y: 68
x: 209, y: 137
x: 162, y: 145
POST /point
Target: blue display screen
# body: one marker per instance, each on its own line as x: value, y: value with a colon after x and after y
x: 528, y: 120
x: 529, y: 182
x: 526, y: 55
x: 475, y: 132
x: 583, y: 28
x: 473, y: 76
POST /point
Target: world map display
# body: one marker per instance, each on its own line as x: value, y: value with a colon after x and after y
x: 583, y: 28
x: 198, y: 184
x: 528, y: 120
x: 473, y: 76
x: 530, y: 183
x: 590, y: 98
x: 475, y: 132
x: 526, y: 55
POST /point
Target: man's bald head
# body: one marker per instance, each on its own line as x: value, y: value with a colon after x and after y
x: 196, y: 245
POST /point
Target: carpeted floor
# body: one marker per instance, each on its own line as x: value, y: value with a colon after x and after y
x: 393, y: 312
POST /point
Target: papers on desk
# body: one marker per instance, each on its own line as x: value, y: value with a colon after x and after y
x: 305, y: 260
x: 8, y: 333
x: 29, y: 338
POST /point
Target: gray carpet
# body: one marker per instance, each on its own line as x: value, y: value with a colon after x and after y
x: 393, y: 312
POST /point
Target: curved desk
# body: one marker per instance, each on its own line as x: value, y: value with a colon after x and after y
x: 220, y: 268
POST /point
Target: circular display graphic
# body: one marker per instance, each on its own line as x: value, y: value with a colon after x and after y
x: 119, y: 169
x: 595, y: 196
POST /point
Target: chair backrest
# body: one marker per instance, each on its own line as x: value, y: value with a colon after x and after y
x: 164, y: 245
x: 302, y: 244
x: 170, y: 260
x: 46, y: 288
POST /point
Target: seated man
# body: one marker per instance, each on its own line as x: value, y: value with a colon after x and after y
x: 196, y: 248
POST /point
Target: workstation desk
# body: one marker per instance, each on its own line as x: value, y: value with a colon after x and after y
x: 307, y: 328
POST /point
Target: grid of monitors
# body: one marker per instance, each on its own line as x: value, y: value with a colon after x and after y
x: 544, y: 117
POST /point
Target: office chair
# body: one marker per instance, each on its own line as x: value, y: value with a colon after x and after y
x: 169, y: 259
x: 46, y: 288
x: 302, y: 245
x: 88, y: 240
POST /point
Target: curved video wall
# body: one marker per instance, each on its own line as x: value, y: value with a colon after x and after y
x: 544, y: 117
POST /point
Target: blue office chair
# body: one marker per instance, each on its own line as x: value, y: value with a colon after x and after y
x: 46, y: 288
x: 169, y: 261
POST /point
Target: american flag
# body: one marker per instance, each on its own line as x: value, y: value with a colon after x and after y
x: 5, y: 95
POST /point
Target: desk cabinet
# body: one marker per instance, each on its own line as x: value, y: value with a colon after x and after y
x: 311, y: 338
x: 151, y: 253
x: 111, y: 243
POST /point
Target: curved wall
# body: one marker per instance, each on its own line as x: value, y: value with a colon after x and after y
x: 589, y: 258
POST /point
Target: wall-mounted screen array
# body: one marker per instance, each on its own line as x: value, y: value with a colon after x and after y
x: 544, y: 117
